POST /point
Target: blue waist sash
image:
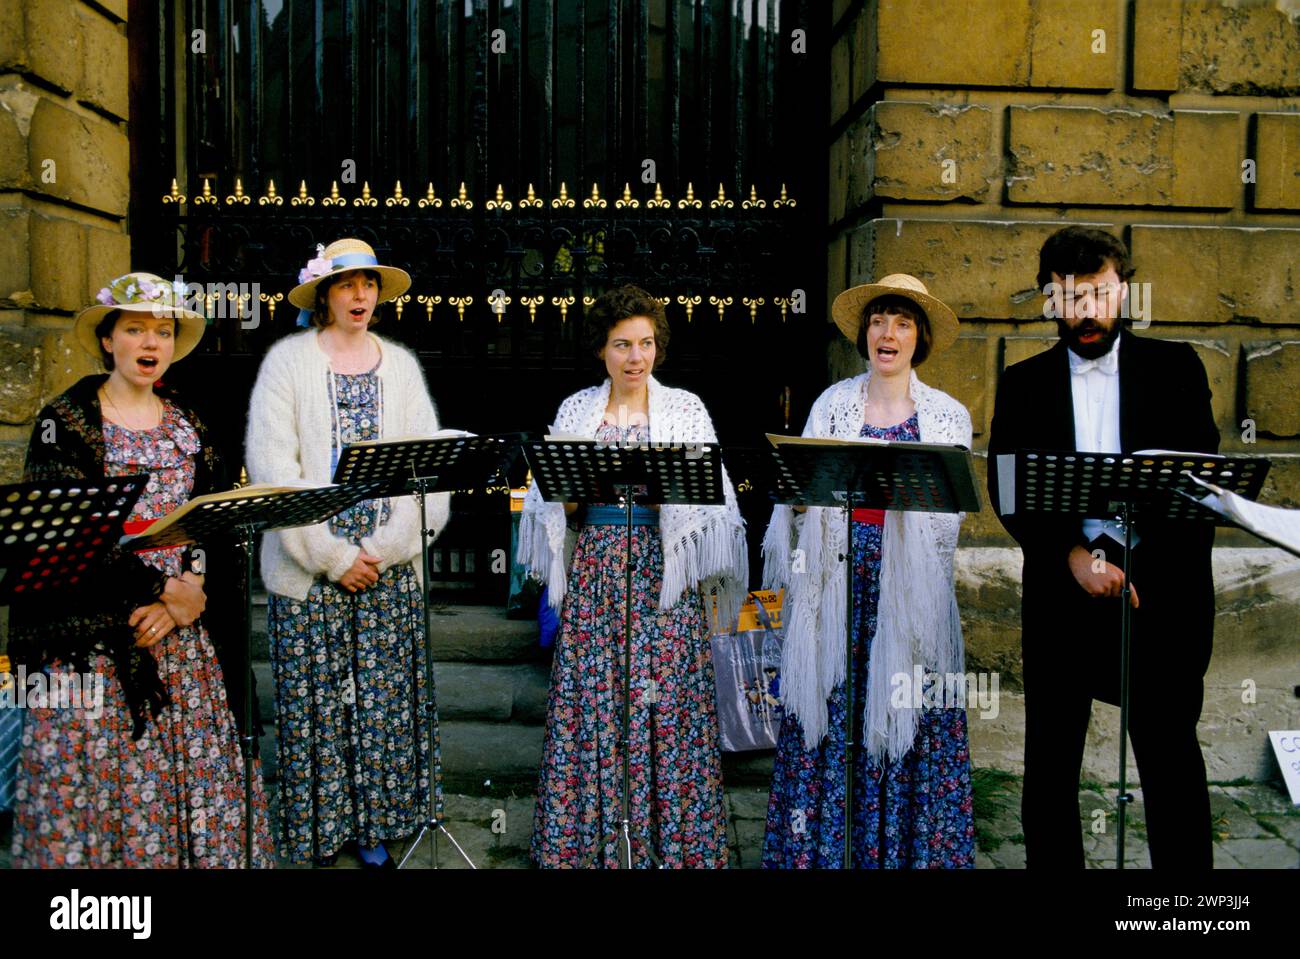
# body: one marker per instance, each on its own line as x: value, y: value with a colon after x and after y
x: 617, y: 516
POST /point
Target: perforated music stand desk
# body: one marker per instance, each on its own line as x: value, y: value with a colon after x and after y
x: 1126, y: 487
x: 241, y: 518
x: 420, y: 467
x: 862, y: 474
x: 587, y: 471
x: 53, y: 534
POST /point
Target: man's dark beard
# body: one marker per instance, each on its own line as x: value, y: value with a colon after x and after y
x: 1089, y: 351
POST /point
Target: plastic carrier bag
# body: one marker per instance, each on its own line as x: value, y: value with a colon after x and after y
x: 747, y: 671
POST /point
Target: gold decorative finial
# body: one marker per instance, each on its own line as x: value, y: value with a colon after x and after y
x: 753, y: 305
x: 563, y: 302
x: 658, y: 202
x: 243, y: 477
x: 238, y: 195
x: 531, y: 200
x: 499, y: 202
x: 429, y: 199
x: 207, y: 196
x: 721, y: 302
x: 498, y: 300
x: 721, y: 200
x: 594, y: 200
x: 460, y: 302
x: 365, y: 199
x: 334, y: 199
x: 429, y: 302
x: 175, y: 196
x: 627, y: 201
x: 532, y: 302
x: 690, y: 302
x: 753, y: 203
x: 397, y: 199
x: 271, y: 198
x: 401, y: 301
x: 463, y: 201
x: 270, y: 300
x: 784, y: 200
x: 563, y: 201
x: 689, y: 200
x: 302, y: 199
x: 784, y: 303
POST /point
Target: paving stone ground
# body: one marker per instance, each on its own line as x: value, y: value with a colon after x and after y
x: 1256, y: 827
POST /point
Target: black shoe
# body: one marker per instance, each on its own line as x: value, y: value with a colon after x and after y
x: 324, y: 862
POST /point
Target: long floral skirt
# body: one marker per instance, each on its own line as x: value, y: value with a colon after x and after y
x: 89, y: 796
x: 349, y: 694
x: 675, y: 752
x: 914, y: 813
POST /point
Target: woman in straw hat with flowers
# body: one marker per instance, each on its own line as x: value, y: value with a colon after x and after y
x: 912, y: 790
x: 345, y: 620
x: 152, y: 776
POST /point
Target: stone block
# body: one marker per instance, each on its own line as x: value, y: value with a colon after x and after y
x: 960, y: 371
x: 20, y: 375
x: 13, y: 40
x: 54, y: 42
x: 103, y: 64
x: 1067, y: 49
x: 1242, y: 49
x: 841, y: 76
x: 1220, y: 364
x: 958, y: 42
x: 984, y: 269
x: 1084, y: 155
x: 481, y: 634
x: 58, y: 263
x: 15, y: 257
x: 1017, y: 348
x: 836, y: 267
x: 926, y: 151
x: 1219, y: 274
x: 859, y: 161
x: 839, y: 177
x: 91, y: 158
x: 1157, y: 35
x: 108, y: 255
x: 1277, y: 155
x: 1272, y: 400
x: 12, y: 456
x: 864, y: 54
x: 13, y: 143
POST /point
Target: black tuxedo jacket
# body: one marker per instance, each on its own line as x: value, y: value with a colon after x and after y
x: 1164, y: 404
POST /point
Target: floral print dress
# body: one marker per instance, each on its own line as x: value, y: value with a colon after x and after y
x: 676, y: 753
x: 915, y: 813
x: 350, y: 686
x: 88, y: 795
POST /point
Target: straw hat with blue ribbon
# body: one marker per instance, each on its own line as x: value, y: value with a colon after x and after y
x: 340, y: 257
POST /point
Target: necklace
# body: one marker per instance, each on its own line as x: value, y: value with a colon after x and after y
x: 122, y: 418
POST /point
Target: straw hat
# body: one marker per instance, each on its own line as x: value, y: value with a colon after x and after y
x: 848, y: 306
x: 142, y: 293
x: 340, y: 257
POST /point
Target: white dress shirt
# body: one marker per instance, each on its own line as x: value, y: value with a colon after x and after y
x: 1094, y: 386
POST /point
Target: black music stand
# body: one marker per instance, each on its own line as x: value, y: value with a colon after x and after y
x: 1123, y: 487
x: 586, y: 471
x: 866, y: 474
x: 54, y: 533
x: 241, y: 518
x: 419, y: 467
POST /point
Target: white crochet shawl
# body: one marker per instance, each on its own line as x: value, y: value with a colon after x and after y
x: 703, y: 545
x: 917, y: 622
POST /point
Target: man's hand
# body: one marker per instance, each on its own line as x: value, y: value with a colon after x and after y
x: 363, y: 574
x: 1109, y: 581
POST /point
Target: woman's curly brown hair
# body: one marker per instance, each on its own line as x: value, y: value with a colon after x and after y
x: 619, y: 304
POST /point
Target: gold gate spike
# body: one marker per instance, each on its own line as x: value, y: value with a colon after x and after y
x: 563, y: 201
x: 659, y: 202
x: 401, y: 301
x: 365, y: 199
x: 238, y: 195
x: 784, y: 200
x: 175, y: 196
x: 753, y: 305
x: 721, y: 303
x: 595, y: 200
x: 532, y: 302
x: 429, y: 199
x: 302, y: 199
x: 207, y: 195
x: 463, y: 201
x: 272, y: 198
x: 460, y: 302
x: 690, y: 302
x: 429, y: 303
x: 531, y: 200
x: 270, y: 301
x: 563, y: 302
x: 397, y: 199
x: 627, y: 202
x: 784, y: 303
x: 334, y: 199
x: 721, y: 200
x: 690, y: 200
x: 499, y: 304
x: 500, y: 203
x: 753, y: 203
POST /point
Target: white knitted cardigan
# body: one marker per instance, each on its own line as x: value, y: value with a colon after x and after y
x: 702, y: 545
x: 917, y: 621
x: 290, y: 423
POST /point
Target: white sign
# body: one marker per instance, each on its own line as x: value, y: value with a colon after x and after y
x: 1286, y: 745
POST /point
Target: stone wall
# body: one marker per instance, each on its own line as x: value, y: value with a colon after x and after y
x: 964, y: 132
x: 64, y: 163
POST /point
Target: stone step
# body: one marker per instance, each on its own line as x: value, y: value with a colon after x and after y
x: 475, y: 755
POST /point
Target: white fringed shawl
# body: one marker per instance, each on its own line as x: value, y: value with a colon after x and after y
x: 703, y: 545
x: 917, y: 622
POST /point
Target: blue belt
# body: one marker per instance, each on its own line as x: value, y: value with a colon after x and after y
x: 617, y: 516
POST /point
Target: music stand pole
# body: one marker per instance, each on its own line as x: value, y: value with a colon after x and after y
x: 1125, y: 647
